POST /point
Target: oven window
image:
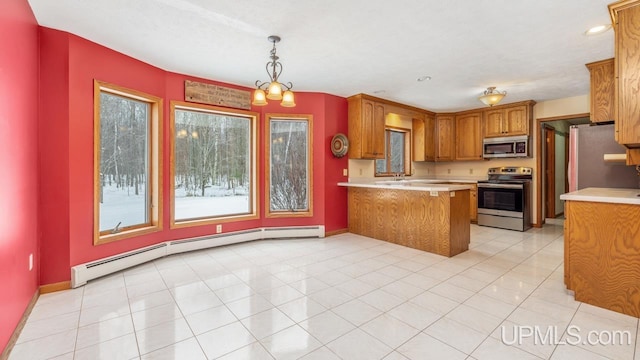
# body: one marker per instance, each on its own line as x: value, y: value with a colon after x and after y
x: 500, y: 199
x: 502, y: 148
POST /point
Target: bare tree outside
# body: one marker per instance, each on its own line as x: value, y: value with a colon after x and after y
x: 124, y: 162
x: 289, y: 165
x: 212, y: 164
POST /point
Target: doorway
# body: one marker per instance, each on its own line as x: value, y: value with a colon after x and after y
x: 552, y: 149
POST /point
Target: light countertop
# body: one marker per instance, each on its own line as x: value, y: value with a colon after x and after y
x: 414, y: 185
x: 605, y: 195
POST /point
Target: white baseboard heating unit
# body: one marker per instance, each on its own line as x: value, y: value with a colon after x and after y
x: 82, y: 273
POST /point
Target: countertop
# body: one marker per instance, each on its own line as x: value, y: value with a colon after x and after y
x: 414, y: 185
x: 604, y: 195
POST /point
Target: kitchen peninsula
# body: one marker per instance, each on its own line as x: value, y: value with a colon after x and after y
x: 414, y: 213
x: 602, y: 248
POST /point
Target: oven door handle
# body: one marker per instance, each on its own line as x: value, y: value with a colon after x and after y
x: 500, y: 186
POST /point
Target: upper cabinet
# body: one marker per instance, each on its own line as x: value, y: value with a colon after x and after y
x: 366, y: 128
x: 469, y: 136
x: 602, y: 90
x: 423, y: 130
x: 445, y: 137
x: 625, y: 17
x: 508, y: 120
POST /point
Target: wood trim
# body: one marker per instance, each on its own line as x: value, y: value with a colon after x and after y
x: 49, y: 288
x: 254, y: 211
x: 538, y: 157
x: 617, y: 6
x: 16, y: 332
x: 391, y: 103
x: 336, y: 232
x: 156, y: 105
x: 550, y: 171
x: 267, y: 147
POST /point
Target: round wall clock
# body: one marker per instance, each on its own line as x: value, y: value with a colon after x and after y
x: 339, y: 145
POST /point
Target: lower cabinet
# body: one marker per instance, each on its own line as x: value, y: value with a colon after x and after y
x: 473, y: 201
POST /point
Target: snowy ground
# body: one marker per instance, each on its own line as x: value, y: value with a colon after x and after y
x: 120, y: 206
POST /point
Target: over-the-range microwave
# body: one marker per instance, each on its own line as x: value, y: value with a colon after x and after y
x: 506, y: 147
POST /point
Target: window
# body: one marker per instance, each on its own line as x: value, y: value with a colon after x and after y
x: 213, y: 168
x: 289, y: 170
x: 397, y: 153
x: 127, y: 154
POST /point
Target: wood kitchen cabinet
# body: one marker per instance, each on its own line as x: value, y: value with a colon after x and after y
x: 602, y: 90
x: 366, y: 128
x: 511, y: 120
x: 445, y: 137
x: 423, y: 130
x: 468, y: 138
x: 625, y: 17
x: 473, y: 200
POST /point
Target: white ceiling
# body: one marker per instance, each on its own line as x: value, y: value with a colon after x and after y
x: 533, y: 49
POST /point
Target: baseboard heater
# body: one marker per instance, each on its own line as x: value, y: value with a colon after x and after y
x: 82, y: 273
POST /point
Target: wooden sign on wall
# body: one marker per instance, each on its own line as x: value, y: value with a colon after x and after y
x: 216, y: 95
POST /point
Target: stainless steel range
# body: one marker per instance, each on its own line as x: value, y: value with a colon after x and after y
x: 504, y: 201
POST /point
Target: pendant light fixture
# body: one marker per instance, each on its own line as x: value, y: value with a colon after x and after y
x: 491, y: 96
x: 273, y: 89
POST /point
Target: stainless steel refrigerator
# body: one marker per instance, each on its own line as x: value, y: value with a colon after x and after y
x: 587, y: 168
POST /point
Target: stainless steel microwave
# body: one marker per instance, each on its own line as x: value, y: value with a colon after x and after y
x: 506, y: 147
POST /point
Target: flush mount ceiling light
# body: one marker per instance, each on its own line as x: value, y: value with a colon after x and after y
x: 598, y: 29
x: 274, y: 88
x: 491, y: 96
x: 424, y: 78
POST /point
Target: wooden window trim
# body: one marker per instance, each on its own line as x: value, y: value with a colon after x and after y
x: 254, y: 212
x: 155, y: 163
x: 407, y: 150
x: 267, y: 203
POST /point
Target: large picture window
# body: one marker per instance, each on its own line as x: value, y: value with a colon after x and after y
x: 289, y: 169
x: 397, y: 153
x: 213, y: 168
x: 127, y: 157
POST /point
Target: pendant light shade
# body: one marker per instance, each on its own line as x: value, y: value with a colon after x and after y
x: 275, y: 90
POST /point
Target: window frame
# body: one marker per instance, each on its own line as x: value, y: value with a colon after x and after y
x: 387, y: 149
x: 154, y: 163
x: 254, y: 212
x: 267, y: 202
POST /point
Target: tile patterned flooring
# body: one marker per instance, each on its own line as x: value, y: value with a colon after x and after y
x: 342, y: 297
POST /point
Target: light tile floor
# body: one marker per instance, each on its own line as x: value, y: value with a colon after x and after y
x: 342, y: 297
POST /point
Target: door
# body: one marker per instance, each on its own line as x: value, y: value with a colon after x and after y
x: 550, y: 171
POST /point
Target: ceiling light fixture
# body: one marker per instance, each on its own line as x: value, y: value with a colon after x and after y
x: 491, y: 96
x: 598, y: 29
x: 274, y: 88
x: 423, y: 78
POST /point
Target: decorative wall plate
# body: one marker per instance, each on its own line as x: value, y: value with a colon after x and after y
x: 339, y: 145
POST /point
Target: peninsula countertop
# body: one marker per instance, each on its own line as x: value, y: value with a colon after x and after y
x: 604, y: 195
x: 412, y: 185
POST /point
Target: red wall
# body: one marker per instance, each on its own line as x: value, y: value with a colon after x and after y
x: 19, y: 159
x: 68, y: 233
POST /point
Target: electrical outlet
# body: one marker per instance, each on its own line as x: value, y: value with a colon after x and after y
x: 360, y: 172
x: 218, y: 228
x: 30, y: 262
x: 448, y: 171
x: 470, y: 171
x: 345, y: 172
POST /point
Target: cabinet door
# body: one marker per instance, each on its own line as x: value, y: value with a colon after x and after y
x: 516, y: 120
x: 602, y: 90
x: 493, y: 120
x: 473, y: 204
x: 469, y: 136
x: 429, y: 138
x: 445, y: 137
x: 628, y: 63
x: 418, y: 134
x: 372, y: 126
